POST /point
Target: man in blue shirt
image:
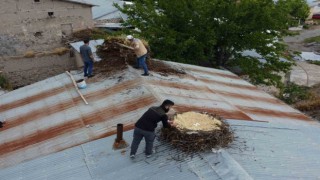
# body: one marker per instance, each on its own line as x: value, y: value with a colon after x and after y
x: 87, y: 58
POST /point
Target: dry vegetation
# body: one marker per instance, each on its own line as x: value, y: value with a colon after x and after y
x: 60, y: 51
x: 311, y: 105
x: 88, y: 33
x: 194, y: 121
x: 57, y: 51
x: 29, y: 54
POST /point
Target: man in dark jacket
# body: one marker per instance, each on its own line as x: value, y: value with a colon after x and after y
x: 145, y: 126
x: 2, y: 124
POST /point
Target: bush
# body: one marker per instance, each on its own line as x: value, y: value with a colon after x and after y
x: 4, y: 83
x: 308, y: 105
x: 293, y: 93
x: 314, y: 62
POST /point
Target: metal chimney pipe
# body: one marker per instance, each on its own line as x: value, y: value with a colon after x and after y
x: 119, y: 133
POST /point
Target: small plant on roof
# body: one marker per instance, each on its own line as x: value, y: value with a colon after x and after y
x: 4, y: 82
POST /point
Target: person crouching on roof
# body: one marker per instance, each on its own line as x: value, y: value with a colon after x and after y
x: 146, y: 125
x: 2, y: 123
x: 141, y: 53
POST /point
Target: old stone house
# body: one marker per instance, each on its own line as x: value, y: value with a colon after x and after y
x: 40, y: 24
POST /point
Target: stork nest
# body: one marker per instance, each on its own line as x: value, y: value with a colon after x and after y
x: 190, y: 140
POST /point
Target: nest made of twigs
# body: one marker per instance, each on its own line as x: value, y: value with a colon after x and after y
x: 198, y: 141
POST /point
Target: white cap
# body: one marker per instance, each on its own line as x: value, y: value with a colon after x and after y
x: 129, y: 37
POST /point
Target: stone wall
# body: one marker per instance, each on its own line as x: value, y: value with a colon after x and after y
x: 24, y: 71
x: 27, y: 25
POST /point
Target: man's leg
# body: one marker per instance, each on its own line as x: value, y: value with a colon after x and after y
x: 149, y: 138
x: 138, y: 64
x: 90, y: 67
x: 85, y: 69
x: 137, y: 137
x: 142, y: 61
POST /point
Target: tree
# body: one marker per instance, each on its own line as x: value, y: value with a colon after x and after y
x: 297, y: 9
x: 217, y: 31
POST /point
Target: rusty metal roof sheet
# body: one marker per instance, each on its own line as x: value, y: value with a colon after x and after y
x: 261, y: 151
x: 49, y: 116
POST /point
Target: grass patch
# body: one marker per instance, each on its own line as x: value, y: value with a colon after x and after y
x: 312, y: 39
x: 4, y: 83
x: 290, y: 33
x: 297, y: 53
x: 314, y: 62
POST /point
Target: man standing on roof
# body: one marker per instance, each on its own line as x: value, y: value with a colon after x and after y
x: 145, y: 126
x: 141, y: 52
x: 87, y: 58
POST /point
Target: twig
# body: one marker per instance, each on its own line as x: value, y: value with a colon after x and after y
x: 75, y: 85
x: 128, y: 47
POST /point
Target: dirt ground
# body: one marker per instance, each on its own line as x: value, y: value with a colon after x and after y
x: 295, y: 43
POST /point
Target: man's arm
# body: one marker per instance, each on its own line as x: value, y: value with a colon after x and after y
x: 136, y: 45
x: 165, y: 122
x: 90, y: 54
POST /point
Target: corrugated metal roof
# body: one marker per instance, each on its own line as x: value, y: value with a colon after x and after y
x: 82, y: 2
x: 260, y: 151
x: 105, y: 10
x: 49, y: 116
x: 111, y: 25
x: 2, y: 92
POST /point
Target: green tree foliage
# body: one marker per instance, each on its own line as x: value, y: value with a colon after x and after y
x: 216, y: 31
x: 297, y: 9
x: 294, y: 93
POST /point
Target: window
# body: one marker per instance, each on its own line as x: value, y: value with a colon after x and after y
x: 50, y: 14
x: 38, y: 34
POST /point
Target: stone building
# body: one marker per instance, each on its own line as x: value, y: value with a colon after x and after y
x: 40, y: 24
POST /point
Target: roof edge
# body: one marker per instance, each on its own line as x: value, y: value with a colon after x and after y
x: 83, y: 3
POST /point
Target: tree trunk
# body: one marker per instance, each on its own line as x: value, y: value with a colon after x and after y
x: 222, y: 56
